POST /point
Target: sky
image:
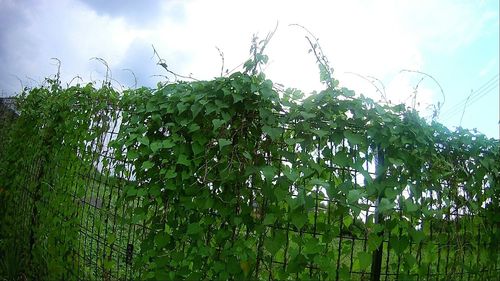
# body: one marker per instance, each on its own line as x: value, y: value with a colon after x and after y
x: 455, y: 43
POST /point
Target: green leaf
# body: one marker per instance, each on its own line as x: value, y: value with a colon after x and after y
x: 156, y: 117
x: 111, y: 238
x: 210, y: 107
x: 224, y: 142
x: 168, y: 143
x: 399, y: 244
x: 218, y: 123
x: 385, y: 205
x: 132, y: 154
x: 237, y: 97
x: 354, y: 195
x: 151, y: 107
x: 332, y: 191
x: 417, y: 236
x: 108, y: 264
x: 410, y: 260
x: 183, y: 160
x: 374, y: 242
x: 347, y: 92
x: 410, y: 206
x: 143, y: 140
x: 396, y: 161
x: 365, y: 260
x: 147, y: 165
x: 170, y: 174
x: 195, y: 109
x: 162, y: 239
x: 139, y: 215
x: 268, y: 172
x: 353, y: 138
x: 274, y: 244
x: 226, y: 116
x: 347, y: 221
x: 312, y: 246
x: 197, y: 148
x: 220, y: 104
x: 307, y: 115
x: 181, y: 107
x: 293, y: 141
x: 299, y: 220
x: 155, y: 146
x: 274, y: 133
x: 320, y: 182
x: 341, y: 159
x: 161, y: 274
x: 320, y: 133
x: 269, y: 219
x: 194, y: 228
x: 247, y: 155
x: 193, y: 128
x: 297, y: 264
x: 324, y: 74
x: 291, y: 174
x: 390, y: 193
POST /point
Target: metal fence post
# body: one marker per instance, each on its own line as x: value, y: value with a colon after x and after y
x: 377, y: 254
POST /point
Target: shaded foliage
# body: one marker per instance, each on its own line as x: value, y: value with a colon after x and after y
x: 232, y: 179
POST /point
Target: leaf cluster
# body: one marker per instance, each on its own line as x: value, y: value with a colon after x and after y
x: 234, y: 179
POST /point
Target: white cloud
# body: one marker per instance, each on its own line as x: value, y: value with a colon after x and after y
x: 70, y: 32
x: 369, y: 38
x: 354, y: 37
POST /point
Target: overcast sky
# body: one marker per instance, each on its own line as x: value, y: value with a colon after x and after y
x: 456, y: 42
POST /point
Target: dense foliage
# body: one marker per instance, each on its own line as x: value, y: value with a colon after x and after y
x: 234, y: 179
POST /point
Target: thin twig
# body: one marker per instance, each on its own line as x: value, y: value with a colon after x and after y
x: 257, y: 52
x: 74, y: 78
x: 415, y: 92
x: 435, y: 81
x: 161, y: 75
x: 465, y: 106
x: 58, y: 62
x: 108, y: 70
x: 319, y: 54
x: 20, y: 82
x: 221, y: 54
x: 133, y: 74
x: 382, y: 93
x: 161, y: 62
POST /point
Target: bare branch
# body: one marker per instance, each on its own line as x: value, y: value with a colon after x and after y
x: 257, y: 52
x: 108, y: 70
x: 439, y: 104
x: 221, y: 54
x: 58, y: 63
x: 133, y: 74
x: 161, y: 62
x: 465, y: 106
x: 20, y: 81
x: 78, y: 77
x: 384, y: 94
x: 381, y: 92
x: 321, y: 58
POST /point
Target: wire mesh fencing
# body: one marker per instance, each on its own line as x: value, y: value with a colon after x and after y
x: 317, y: 206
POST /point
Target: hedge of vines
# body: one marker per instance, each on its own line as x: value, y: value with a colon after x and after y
x: 232, y: 179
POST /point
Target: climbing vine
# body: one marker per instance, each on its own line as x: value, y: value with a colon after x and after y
x: 233, y: 179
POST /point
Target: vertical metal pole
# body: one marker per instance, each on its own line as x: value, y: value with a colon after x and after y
x: 377, y: 254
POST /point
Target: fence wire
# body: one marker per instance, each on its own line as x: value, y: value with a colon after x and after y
x: 106, y: 237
